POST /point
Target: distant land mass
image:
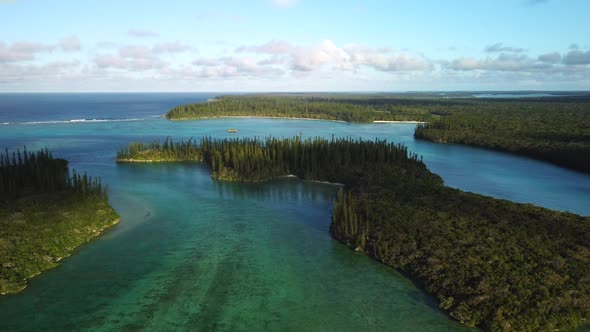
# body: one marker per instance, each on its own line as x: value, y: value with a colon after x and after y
x: 553, y: 129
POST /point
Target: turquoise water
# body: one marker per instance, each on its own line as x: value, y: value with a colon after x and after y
x: 192, y: 253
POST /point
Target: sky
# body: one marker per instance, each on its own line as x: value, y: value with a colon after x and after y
x: 293, y: 45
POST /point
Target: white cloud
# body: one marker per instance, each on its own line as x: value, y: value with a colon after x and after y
x: 27, y: 51
x: 141, y: 33
x: 550, y: 57
x: 51, y: 70
x: 284, y: 3
x: 128, y: 63
x: 279, y: 63
x: 272, y: 47
x: 386, y: 60
x: 136, y: 52
x: 233, y: 67
x: 139, y: 57
x: 207, y: 62
x: 328, y: 54
x: 70, y: 44
x: 577, y: 57
x: 499, y: 47
x: 544, y: 69
x: 173, y: 47
x: 14, y: 53
x: 504, y: 62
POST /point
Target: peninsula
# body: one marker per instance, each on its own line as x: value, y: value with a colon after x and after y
x: 45, y: 213
x: 490, y: 263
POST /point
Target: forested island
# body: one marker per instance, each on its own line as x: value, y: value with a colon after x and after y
x: 553, y: 129
x: 320, y: 107
x: 45, y: 213
x: 490, y: 263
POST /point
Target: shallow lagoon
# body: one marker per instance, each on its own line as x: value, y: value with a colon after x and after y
x: 192, y: 252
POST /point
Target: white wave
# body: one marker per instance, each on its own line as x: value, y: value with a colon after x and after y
x: 5, y: 123
x: 79, y: 121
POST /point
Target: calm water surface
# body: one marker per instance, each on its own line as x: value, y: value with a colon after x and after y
x: 194, y: 253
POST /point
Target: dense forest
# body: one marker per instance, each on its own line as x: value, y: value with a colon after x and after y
x: 25, y: 173
x: 45, y: 212
x: 554, y: 132
x: 157, y: 151
x: 490, y: 263
x: 351, y: 109
x: 554, y: 129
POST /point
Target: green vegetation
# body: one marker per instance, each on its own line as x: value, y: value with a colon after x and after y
x: 554, y: 129
x: 45, y: 213
x: 351, y: 109
x: 550, y: 131
x: 160, y: 152
x: 29, y: 173
x: 490, y: 263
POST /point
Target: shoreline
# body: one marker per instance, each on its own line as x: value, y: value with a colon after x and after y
x: 254, y: 117
x: 292, y: 176
x: 132, y: 161
x: 96, y: 234
x: 290, y: 118
x: 396, y: 121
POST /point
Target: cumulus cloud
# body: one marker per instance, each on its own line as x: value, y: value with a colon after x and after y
x: 577, y: 57
x: 139, y: 57
x: 312, y: 58
x: 550, y: 57
x: 70, y: 44
x: 272, y: 47
x: 499, y: 47
x: 130, y: 57
x: 128, y: 63
x: 232, y: 66
x: 284, y: 3
x: 283, y: 61
x: 51, y: 70
x: 17, y: 52
x: 207, y: 62
x: 504, y: 62
x: 136, y: 52
x: 141, y: 33
x: 173, y: 47
x: 545, y: 67
x: 27, y: 51
x: 386, y: 60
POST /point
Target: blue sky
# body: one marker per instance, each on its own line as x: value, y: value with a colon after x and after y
x: 293, y: 45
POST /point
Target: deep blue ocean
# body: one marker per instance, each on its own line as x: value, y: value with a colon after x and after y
x: 194, y: 253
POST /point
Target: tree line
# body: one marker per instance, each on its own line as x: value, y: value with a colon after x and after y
x: 23, y: 173
x: 311, y: 107
x: 553, y: 129
x: 489, y: 262
x: 555, y: 132
x: 255, y: 159
x: 169, y: 150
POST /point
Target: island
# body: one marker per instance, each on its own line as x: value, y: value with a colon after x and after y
x: 490, y: 263
x: 349, y: 108
x: 45, y: 213
x: 553, y: 129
